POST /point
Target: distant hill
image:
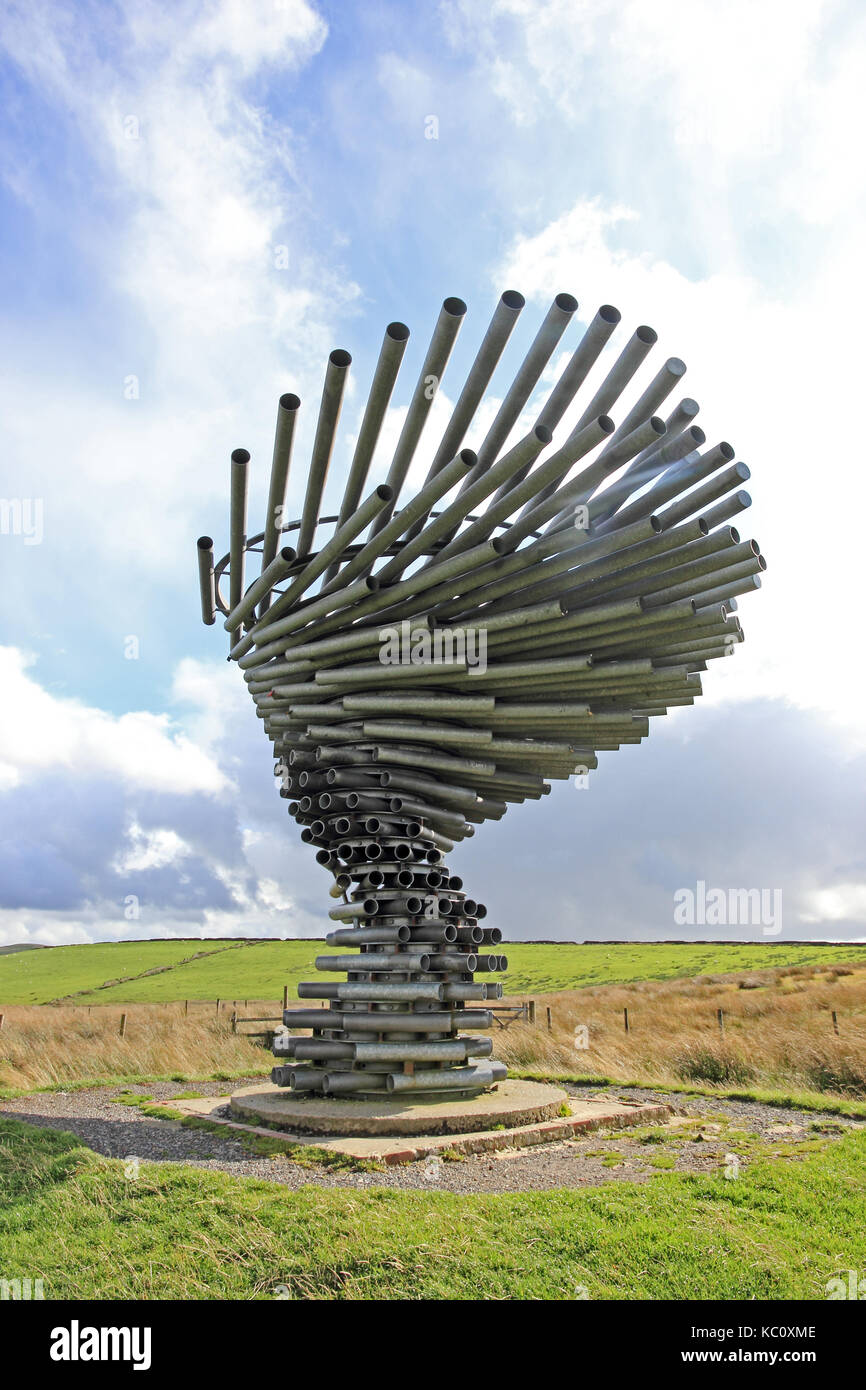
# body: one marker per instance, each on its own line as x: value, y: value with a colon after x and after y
x: 158, y: 972
x: 22, y: 946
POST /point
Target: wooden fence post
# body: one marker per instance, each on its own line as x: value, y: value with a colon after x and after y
x: 234, y: 1022
x: 549, y: 1021
x: 218, y: 1002
x: 721, y: 1017
x: 285, y: 996
x: 532, y: 1011
x: 2, y: 1016
x: 835, y: 1023
x: 123, y: 1025
x: 186, y: 1006
x: 625, y: 1019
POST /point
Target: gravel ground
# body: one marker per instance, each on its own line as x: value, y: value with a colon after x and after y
x: 703, y: 1134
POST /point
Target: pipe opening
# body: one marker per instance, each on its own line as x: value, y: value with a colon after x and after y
x: 512, y: 299
x: 397, y: 331
x: 658, y: 425
x: 606, y: 424
x: 676, y: 366
x: 566, y: 302
x: 205, y: 543
x: 609, y: 314
x: 240, y: 456
x: 289, y: 401
x: 696, y: 433
x: 543, y: 434
x: 384, y: 492
x: 287, y: 554
x: 727, y: 450
x: 455, y: 306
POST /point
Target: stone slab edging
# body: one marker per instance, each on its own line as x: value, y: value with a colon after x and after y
x: 604, y: 1115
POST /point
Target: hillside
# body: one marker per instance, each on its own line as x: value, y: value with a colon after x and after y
x: 165, y: 971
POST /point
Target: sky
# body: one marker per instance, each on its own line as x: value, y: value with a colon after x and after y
x: 198, y: 201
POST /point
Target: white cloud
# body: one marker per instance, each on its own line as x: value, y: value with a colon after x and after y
x: 734, y: 83
x: 153, y: 849
x: 41, y: 732
x: 178, y: 816
x: 212, y: 694
x: 197, y: 191
x: 843, y: 902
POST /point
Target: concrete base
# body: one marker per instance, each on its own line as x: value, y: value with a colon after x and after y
x: 388, y: 1147
x: 510, y: 1103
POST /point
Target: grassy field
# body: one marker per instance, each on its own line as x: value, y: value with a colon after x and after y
x: 778, y: 1038
x: 116, y: 973
x: 38, y: 977
x: 90, y: 1228
x: 781, y: 1230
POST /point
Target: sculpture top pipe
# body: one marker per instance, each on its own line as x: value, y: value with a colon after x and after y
x: 588, y: 351
x: 238, y: 525
x: 204, y: 546
x: 384, y: 377
x: 329, y: 414
x: 444, y: 336
x: 287, y: 414
x: 569, y: 383
x: 647, y: 404
x: 528, y: 375
x: 499, y: 331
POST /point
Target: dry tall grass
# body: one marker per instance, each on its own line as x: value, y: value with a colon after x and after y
x: 778, y: 1032
x: 44, y: 1045
x: 778, y: 1035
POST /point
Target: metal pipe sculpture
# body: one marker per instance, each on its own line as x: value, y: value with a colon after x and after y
x: 590, y: 587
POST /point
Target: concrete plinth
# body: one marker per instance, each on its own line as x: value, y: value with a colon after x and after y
x: 517, y: 1115
x: 510, y: 1104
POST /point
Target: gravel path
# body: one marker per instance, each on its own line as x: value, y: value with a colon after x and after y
x: 701, y: 1138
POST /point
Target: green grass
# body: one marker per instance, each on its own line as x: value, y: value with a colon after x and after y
x: 259, y: 969
x: 792, y: 1099
x: 71, y: 1217
x: 536, y: 968
x: 38, y: 977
